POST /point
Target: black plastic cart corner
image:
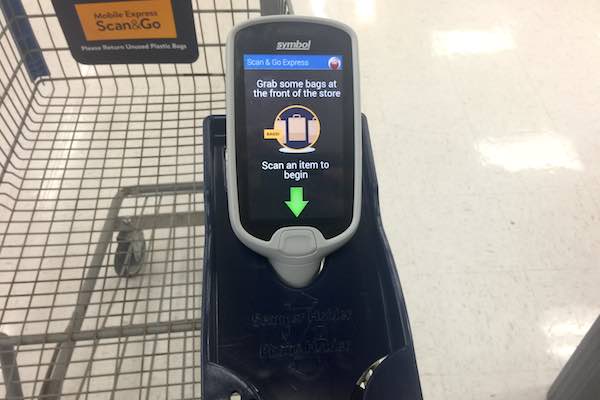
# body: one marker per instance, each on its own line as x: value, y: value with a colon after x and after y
x: 345, y: 337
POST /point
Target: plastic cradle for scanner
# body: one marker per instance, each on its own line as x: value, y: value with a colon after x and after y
x: 266, y: 341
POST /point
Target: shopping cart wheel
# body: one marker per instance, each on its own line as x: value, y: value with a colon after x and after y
x: 131, y: 249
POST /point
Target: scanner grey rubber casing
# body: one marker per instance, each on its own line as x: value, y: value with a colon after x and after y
x: 296, y: 252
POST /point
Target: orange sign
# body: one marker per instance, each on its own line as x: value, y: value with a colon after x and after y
x: 128, y: 19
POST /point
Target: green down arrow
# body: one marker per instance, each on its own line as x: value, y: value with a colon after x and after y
x: 296, y: 202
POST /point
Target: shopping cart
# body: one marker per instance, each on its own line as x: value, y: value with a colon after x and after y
x: 101, y: 210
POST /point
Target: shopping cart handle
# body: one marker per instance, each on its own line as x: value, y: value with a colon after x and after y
x: 22, y: 33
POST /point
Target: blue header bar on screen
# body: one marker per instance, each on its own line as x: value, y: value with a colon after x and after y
x: 293, y: 62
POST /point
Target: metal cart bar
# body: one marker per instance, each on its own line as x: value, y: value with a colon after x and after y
x: 101, y: 210
x: 55, y: 376
x: 7, y: 343
x: 10, y: 370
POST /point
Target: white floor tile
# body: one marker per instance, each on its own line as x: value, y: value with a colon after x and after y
x: 484, y: 121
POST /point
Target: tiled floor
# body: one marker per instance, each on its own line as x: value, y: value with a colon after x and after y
x: 485, y: 127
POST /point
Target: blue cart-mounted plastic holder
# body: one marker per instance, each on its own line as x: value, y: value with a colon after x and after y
x: 266, y: 341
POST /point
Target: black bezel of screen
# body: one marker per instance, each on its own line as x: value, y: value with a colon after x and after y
x: 262, y: 39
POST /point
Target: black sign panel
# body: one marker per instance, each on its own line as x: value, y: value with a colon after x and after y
x: 129, y: 31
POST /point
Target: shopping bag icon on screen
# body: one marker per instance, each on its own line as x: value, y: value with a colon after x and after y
x: 297, y: 129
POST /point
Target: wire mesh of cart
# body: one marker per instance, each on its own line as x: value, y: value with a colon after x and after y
x: 101, y: 210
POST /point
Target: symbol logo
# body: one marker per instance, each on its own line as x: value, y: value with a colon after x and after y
x: 296, y: 128
x: 297, y: 45
x: 334, y: 63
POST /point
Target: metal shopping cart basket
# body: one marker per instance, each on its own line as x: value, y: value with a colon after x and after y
x: 101, y: 210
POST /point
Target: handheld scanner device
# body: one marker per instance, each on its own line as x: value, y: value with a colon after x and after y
x: 293, y: 140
